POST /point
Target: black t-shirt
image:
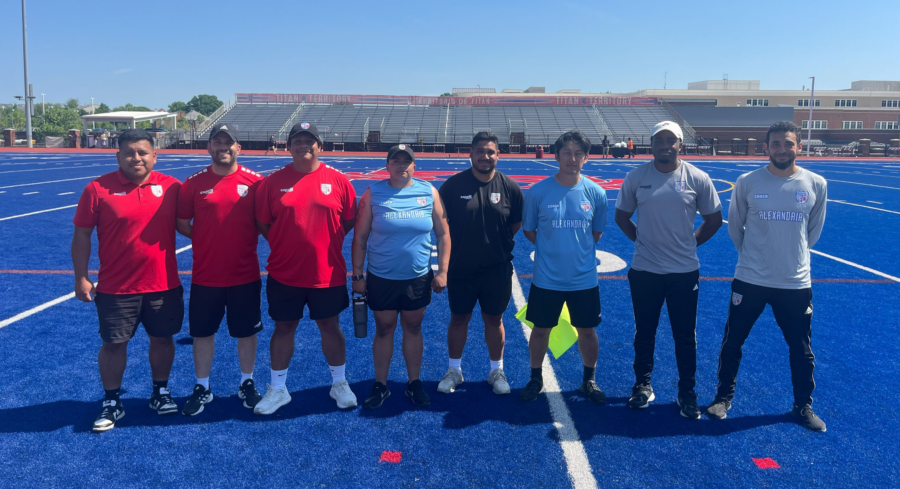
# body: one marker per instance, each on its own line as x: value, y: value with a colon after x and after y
x: 479, y: 215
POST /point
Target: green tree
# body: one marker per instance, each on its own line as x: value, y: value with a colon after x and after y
x: 176, y: 107
x: 56, y: 122
x: 205, y: 104
x: 102, y: 109
x: 446, y: 94
x: 72, y: 103
x: 132, y: 108
x: 12, y: 118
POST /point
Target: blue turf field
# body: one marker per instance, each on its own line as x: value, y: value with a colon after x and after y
x: 51, y: 387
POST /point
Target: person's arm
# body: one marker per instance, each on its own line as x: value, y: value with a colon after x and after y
x: 817, y: 217
x: 442, y: 232
x: 711, y: 223
x: 598, y: 221
x: 530, y: 217
x: 184, y: 227
x: 348, y: 217
x: 263, y: 229
x: 628, y: 227
x: 81, y: 254
x: 597, y: 235
x: 261, y: 209
x: 361, y: 231
x: 349, y: 225
x: 514, y: 228
x: 517, y: 203
x: 737, y: 214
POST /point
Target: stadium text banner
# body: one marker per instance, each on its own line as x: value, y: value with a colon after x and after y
x: 309, y: 98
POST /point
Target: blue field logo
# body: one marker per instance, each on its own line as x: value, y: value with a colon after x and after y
x: 802, y: 196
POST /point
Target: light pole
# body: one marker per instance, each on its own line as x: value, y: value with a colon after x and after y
x: 812, y: 100
x: 27, y: 100
x: 92, y: 113
x: 42, y: 105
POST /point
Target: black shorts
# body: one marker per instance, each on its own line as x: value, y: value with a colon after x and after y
x: 286, y: 301
x: 545, y: 306
x: 208, y: 306
x: 161, y: 313
x: 398, y: 295
x: 491, y: 289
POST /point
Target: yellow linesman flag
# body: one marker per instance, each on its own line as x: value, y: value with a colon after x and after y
x: 563, y: 336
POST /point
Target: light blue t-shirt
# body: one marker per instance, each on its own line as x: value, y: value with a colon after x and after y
x: 399, y: 246
x: 565, y: 219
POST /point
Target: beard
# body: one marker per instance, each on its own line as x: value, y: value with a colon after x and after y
x: 484, y: 172
x: 782, y: 166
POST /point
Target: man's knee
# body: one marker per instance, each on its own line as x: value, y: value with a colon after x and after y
x: 492, y: 320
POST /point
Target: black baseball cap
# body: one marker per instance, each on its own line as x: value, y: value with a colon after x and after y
x: 225, y: 127
x: 401, y: 148
x: 306, y: 127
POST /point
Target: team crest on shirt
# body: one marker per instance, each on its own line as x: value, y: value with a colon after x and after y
x: 421, y: 200
x: 802, y: 196
x: 495, y: 198
x: 736, y: 298
x: 157, y: 190
x: 242, y: 190
x: 680, y: 186
x: 326, y: 188
x: 585, y: 206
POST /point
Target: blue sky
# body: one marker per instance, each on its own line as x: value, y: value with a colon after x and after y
x: 154, y: 53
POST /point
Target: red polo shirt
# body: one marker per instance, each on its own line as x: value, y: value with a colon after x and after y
x: 224, y: 232
x: 136, y: 230
x: 307, y: 235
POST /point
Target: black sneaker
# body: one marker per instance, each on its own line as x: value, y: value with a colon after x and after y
x: 531, y: 390
x: 112, y: 411
x: 719, y: 408
x: 249, y: 394
x: 162, y: 403
x: 808, y: 418
x: 379, y: 393
x: 415, y: 392
x: 641, y: 395
x: 592, y: 392
x: 688, y: 404
x: 199, y: 397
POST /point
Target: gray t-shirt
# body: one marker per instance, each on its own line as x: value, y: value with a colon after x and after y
x: 667, y: 204
x: 774, y: 221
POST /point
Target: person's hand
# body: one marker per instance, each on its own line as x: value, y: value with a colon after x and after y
x: 84, y: 289
x: 359, y: 287
x: 439, y: 282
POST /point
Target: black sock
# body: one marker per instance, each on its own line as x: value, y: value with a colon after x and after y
x: 112, y: 394
x: 537, y: 375
x: 160, y: 384
x: 589, y: 373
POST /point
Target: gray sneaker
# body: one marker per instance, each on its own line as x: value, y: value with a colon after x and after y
x: 450, y: 381
x: 497, y: 380
x: 719, y: 408
x: 808, y: 418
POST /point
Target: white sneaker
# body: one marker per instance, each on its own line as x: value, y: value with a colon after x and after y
x: 274, y: 399
x: 340, y: 392
x: 450, y: 381
x: 497, y: 380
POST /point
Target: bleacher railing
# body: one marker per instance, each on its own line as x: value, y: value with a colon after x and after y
x: 602, y: 121
x: 289, y: 123
x: 215, y: 116
x: 680, y: 120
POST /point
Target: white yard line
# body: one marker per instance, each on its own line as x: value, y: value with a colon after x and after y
x: 38, y: 212
x: 54, y: 169
x: 863, y: 206
x: 573, y: 450
x: 854, y: 183
x: 48, y: 304
x: 92, y: 176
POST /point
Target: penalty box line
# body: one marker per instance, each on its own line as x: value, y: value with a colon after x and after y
x: 49, y: 304
x: 577, y: 464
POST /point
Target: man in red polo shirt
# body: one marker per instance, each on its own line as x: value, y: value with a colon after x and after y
x: 133, y: 210
x: 219, y: 199
x: 304, y: 210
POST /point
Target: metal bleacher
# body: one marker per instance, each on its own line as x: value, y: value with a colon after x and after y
x: 345, y: 123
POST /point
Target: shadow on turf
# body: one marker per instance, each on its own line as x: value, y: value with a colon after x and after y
x: 469, y: 406
x: 656, y: 421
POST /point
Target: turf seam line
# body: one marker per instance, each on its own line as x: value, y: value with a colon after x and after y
x: 48, y: 304
x: 577, y: 463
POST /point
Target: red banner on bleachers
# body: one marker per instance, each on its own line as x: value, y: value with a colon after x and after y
x: 498, y: 100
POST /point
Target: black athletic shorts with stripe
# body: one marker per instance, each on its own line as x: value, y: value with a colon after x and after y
x: 161, y: 313
x: 545, y: 306
x: 286, y: 302
x: 241, y: 303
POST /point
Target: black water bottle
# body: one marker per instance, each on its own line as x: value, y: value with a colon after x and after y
x: 360, y: 316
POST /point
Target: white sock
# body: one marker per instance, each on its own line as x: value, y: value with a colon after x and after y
x: 204, y: 382
x: 496, y: 365
x: 456, y: 363
x: 246, y: 377
x: 279, y: 377
x: 337, y: 373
